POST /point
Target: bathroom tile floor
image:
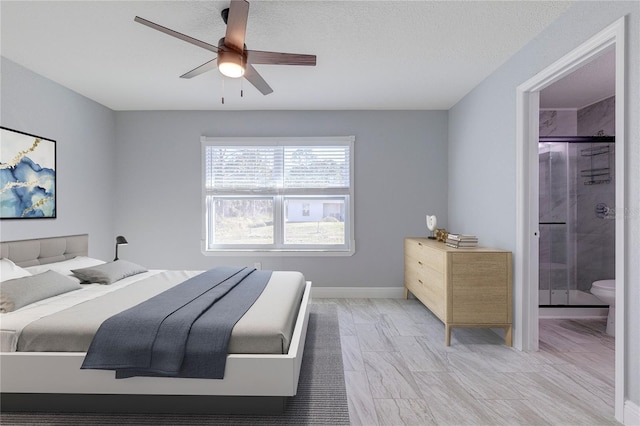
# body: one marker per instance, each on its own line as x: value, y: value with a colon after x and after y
x: 399, y: 372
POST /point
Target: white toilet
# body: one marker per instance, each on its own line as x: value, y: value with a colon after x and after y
x: 605, y: 290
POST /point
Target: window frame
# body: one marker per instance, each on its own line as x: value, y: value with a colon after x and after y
x: 279, y: 200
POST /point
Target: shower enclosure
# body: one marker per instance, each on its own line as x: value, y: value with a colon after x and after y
x: 576, y: 212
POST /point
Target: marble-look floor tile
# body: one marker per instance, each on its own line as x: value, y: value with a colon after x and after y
x: 351, y: 354
x: 572, y: 330
x: 386, y: 327
x: 555, y: 401
x: 436, y: 343
x: 608, y: 342
x: 498, y: 359
x: 345, y: 320
x: 407, y: 326
x: 449, y: 402
x: 398, y: 370
x: 420, y: 357
x: 419, y: 312
x: 597, y: 364
x: 486, y: 385
x: 561, y: 413
x: 388, y: 306
x: 582, y: 385
x: 363, y: 311
x: 362, y: 409
x: 371, y: 339
x: 410, y: 412
x: 556, y: 338
x: 512, y: 412
x: 388, y: 376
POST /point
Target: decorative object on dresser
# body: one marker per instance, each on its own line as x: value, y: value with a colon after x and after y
x: 463, y: 287
x: 431, y: 225
x: 27, y: 176
x: 441, y: 235
x: 461, y: 240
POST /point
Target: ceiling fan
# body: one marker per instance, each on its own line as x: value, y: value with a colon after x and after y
x: 234, y: 60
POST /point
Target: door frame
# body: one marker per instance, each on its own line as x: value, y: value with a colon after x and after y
x: 527, y: 231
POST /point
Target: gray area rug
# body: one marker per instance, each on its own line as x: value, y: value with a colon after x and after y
x: 321, y: 398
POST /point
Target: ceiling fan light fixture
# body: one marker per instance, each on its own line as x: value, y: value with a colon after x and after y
x: 233, y: 57
x: 231, y: 64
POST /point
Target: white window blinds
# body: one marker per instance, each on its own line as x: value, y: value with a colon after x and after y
x: 277, y: 168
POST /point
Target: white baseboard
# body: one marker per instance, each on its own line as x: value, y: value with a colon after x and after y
x: 357, y: 292
x: 631, y: 413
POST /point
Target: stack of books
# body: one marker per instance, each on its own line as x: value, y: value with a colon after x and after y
x: 461, y: 240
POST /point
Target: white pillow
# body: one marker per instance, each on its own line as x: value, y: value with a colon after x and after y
x: 64, y: 267
x: 11, y: 271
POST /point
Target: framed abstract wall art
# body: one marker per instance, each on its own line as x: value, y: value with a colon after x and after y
x: 27, y: 176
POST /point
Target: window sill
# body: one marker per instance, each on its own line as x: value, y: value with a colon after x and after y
x: 280, y: 253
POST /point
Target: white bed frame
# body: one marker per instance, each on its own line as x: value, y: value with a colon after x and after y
x: 53, y: 381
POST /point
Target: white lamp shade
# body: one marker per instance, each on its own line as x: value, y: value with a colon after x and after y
x: 231, y: 63
x: 231, y: 70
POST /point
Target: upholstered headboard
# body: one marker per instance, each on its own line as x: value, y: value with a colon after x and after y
x: 39, y: 251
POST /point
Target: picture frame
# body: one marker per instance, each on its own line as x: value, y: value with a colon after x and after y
x: 27, y: 176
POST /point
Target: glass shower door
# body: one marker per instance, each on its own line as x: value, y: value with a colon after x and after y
x: 553, y: 212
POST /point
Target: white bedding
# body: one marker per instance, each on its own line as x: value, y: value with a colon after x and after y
x: 12, y: 323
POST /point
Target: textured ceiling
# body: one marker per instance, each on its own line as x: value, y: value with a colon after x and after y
x: 371, y: 54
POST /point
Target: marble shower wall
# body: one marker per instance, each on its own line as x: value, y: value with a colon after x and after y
x: 595, y: 232
x: 588, y: 251
x: 599, y: 118
x: 561, y: 122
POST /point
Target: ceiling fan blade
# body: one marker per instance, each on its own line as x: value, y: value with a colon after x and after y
x: 201, y: 69
x: 176, y: 34
x: 256, y: 79
x: 237, y: 25
x: 277, y: 58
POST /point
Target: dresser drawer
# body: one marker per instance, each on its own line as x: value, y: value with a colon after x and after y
x: 430, y: 257
x: 424, y: 275
x: 428, y: 288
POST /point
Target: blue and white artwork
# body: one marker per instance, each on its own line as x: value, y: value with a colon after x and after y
x: 27, y: 176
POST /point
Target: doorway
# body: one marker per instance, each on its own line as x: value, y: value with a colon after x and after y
x: 576, y: 157
x: 526, y: 271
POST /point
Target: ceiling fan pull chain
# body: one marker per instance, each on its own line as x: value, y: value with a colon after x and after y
x: 241, y: 87
x: 222, y: 81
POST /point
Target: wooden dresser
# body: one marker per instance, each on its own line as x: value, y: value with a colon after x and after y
x: 464, y: 287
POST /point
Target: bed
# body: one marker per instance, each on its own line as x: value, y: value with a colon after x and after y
x: 35, y: 377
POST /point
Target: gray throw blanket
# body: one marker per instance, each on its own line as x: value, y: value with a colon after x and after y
x: 182, y: 332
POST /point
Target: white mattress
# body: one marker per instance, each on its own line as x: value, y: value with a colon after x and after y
x: 12, y: 323
x: 267, y: 327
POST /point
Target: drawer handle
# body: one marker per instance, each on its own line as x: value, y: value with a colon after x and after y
x: 420, y: 281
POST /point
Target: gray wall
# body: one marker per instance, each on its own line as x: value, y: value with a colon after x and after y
x: 400, y: 176
x: 84, y: 132
x: 482, y: 194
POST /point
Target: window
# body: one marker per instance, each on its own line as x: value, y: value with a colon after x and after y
x: 278, y: 194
